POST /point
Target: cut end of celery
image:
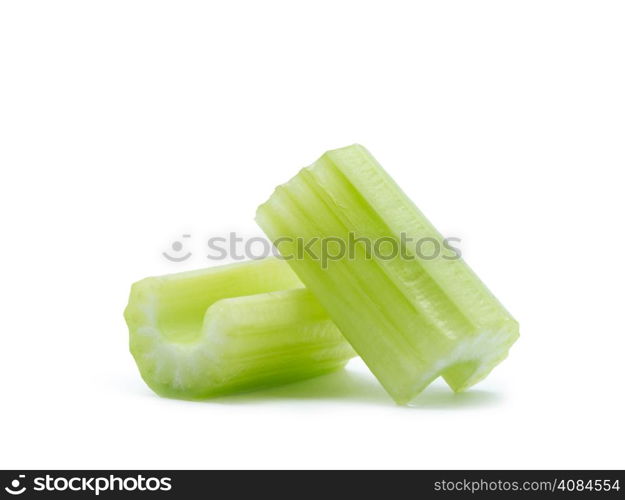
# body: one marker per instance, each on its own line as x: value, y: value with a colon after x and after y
x: 230, y: 329
x: 476, y: 360
x: 469, y: 362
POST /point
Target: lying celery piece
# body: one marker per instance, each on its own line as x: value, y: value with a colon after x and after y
x: 409, y: 318
x: 227, y: 329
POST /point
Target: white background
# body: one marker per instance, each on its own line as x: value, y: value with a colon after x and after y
x: 124, y: 124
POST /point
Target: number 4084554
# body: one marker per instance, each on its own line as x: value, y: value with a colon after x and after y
x: 588, y: 485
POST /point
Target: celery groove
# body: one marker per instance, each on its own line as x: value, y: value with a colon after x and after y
x: 227, y: 329
x: 410, y: 319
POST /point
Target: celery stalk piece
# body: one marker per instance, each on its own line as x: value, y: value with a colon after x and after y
x: 411, y: 319
x: 227, y: 329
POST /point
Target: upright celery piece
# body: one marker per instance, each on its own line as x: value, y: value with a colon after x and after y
x: 227, y: 329
x: 411, y: 319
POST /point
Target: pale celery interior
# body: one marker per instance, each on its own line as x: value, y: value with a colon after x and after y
x: 182, y: 299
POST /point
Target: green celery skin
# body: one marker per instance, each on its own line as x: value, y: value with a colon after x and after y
x: 229, y: 329
x: 411, y: 320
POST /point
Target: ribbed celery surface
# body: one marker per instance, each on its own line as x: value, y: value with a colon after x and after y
x: 227, y: 329
x: 410, y: 319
